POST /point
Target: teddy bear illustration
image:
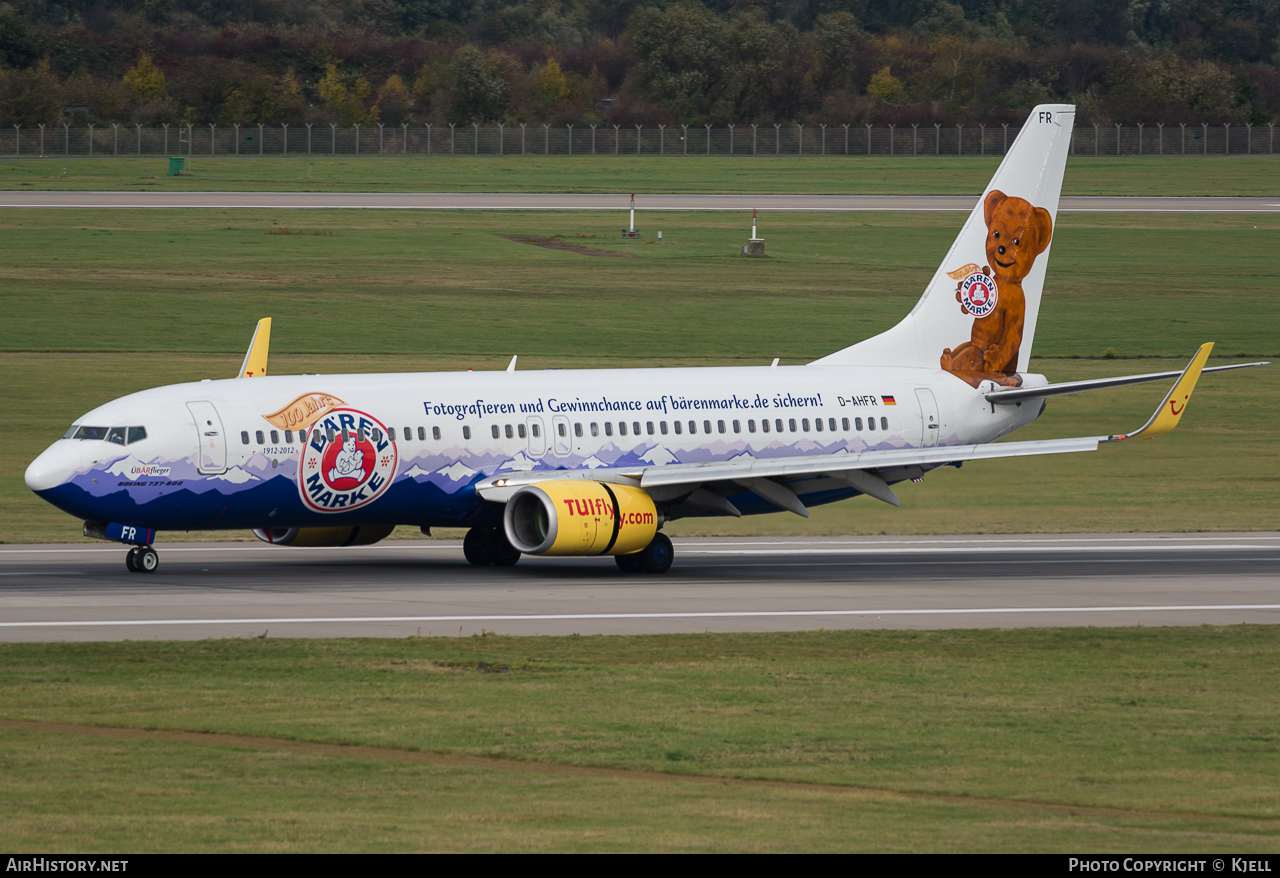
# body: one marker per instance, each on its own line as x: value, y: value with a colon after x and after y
x: 1017, y: 232
x: 349, y: 464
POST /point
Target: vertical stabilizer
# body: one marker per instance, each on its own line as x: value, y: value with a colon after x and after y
x: 977, y: 317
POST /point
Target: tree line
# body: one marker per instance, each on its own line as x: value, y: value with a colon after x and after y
x: 636, y: 61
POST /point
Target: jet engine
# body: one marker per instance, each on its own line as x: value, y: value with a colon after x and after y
x: 572, y: 517
x: 312, y: 537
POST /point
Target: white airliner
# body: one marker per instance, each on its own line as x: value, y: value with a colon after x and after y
x: 595, y: 462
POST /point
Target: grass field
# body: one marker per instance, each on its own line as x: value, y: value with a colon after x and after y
x: 102, y: 303
x: 853, y: 175
x: 1069, y: 740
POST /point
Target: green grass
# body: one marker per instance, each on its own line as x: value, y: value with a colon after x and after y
x: 854, y: 175
x: 103, y: 303
x: 1052, y: 739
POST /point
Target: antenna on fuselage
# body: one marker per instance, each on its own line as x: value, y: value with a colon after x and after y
x: 255, y: 359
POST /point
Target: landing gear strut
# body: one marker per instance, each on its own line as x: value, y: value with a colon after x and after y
x: 142, y: 559
x: 653, y: 558
x: 484, y: 546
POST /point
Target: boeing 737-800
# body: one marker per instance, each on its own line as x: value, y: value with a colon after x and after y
x: 595, y: 462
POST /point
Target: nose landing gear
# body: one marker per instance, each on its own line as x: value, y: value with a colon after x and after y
x: 485, y: 546
x: 142, y: 559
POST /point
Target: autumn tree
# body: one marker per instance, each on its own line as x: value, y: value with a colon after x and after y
x: 145, y: 80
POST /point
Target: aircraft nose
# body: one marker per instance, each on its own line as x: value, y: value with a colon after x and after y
x: 55, y: 465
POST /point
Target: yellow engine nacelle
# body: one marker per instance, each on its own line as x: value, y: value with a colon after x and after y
x: 313, y: 537
x: 571, y: 517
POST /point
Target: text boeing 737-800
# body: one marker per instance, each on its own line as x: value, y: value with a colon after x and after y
x: 594, y: 462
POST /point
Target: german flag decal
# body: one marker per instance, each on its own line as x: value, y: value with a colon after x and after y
x: 889, y: 400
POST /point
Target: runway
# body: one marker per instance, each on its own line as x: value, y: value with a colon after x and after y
x: 404, y: 588
x: 602, y: 202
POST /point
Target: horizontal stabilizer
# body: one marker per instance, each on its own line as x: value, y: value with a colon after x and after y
x: 1009, y: 396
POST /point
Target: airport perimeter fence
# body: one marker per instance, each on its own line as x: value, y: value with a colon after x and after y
x: 539, y: 139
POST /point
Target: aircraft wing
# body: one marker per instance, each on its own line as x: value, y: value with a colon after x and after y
x: 702, y: 483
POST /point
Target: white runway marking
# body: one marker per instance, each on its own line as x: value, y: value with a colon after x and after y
x: 575, y: 617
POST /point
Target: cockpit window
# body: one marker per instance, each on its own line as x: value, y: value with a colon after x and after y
x: 118, y: 435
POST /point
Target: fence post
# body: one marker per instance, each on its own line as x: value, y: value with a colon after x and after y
x: 1160, y: 139
x: 708, y: 127
x: 236, y: 126
x: 452, y: 129
x: 868, y: 140
x: 1204, y: 147
x: 380, y: 133
x: 754, y: 131
x: 617, y: 138
x: 135, y: 125
x: 115, y: 138
x: 1140, y: 124
x: 66, y: 138
x: 213, y: 137
x: 191, y: 141
x: 90, y: 139
x: 308, y: 138
x: 1095, y: 138
x: 662, y: 140
x: 522, y: 130
x: 429, y: 138
x: 846, y: 137
x: 262, y: 139
x: 593, y: 140
x: 799, y: 139
x: 404, y: 147
x: 284, y: 149
x: 546, y: 138
x: 730, y: 138
x: 570, y: 127
x: 937, y: 139
x: 17, y: 139
x: 959, y: 139
x: 1005, y: 150
x: 824, y: 138
x: 502, y: 137
x: 1248, y: 138
x: 475, y: 139
x: 891, y: 127
x: 357, y: 127
x: 1226, y: 138
x: 1184, y: 137
x: 982, y: 139
x: 915, y: 130
x: 1271, y: 144
x: 333, y: 138
x: 639, y: 131
x: 777, y: 138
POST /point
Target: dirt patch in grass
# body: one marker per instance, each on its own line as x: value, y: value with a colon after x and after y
x: 553, y: 244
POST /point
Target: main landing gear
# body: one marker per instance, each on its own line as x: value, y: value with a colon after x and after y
x: 653, y: 558
x: 484, y: 546
x: 142, y: 559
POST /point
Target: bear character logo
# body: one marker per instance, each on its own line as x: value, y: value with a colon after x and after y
x: 350, y: 461
x: 1017, y: 232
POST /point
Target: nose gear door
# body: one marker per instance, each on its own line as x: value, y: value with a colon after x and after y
x: 210, y: 440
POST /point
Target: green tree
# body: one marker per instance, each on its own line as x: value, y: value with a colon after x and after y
x: 145, y: 81
x: 479, y: 92
x: 887, y: 87
x: 30, y: 97
x: 395, y: 102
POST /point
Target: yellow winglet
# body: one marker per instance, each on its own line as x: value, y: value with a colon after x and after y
x: 255, y: 359
x: 1175, y: 402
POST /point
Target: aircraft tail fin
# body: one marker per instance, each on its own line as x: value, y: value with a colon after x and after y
x: 977, y: 317
x: 255, y: 359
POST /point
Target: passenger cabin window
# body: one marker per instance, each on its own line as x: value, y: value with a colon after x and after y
x: 466, y: 432
x: 737, y: 426
x: 871, y: 423
x: 244, y: 436
x: 377, y: 435
x: 510, y: 431
x: 520, y: 430
x: 817, y: 423
x: 577, y: 430
x: 764, y: 425
x: 408, y: 433
x: 706, y: 426
x: 595, y: 429
x: 288, y: 437
x: 648, y: 427
x: 635, y: 428
x: 422, y: 433
x: 844, y: 424
x: 608, y: 428
x: 261, y: 439
x: 693, y: 427
x: 805, y: 424
x: 537, y: 430
x: 679, y: 427
x: 792, y: 424
x: 275, y: 437
x: 494, y: 430
x: 884, y: 423
x: 777, y: 425
x: 622, y: 428
x: 751, y: 425
x: 831, y: 424
x: 435, y: 433
x: 662, y: 426
x: 858, y: 423
x: 562, y: 430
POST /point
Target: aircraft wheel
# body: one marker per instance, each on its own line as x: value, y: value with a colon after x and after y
x: 148, y: 560
x: 628, y: 563
x: 477, y: 546
x: 657, y: 556
x: 131, y: 560
x: 501, y: 552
